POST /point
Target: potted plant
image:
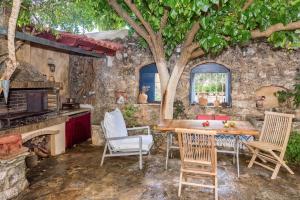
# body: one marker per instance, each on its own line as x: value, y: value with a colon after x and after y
x: 179, y: 110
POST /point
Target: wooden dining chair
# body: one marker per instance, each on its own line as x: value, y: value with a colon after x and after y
x: 198, y: 158
x: 272, y: 142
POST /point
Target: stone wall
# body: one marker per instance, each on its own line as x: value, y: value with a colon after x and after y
x: 12, y: 176
x: 38, y: 57
x: 85, y: 83
x: 252, y: 66
x: 107, y: 77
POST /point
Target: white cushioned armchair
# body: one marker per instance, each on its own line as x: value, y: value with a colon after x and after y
x: 119, y: 143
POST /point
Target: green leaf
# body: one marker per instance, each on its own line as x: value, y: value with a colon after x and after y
x: 219, y: 19
x: 215, y: 1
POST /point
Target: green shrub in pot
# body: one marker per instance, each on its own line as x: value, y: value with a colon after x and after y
x: 292, y: 154
x: 129, y: 113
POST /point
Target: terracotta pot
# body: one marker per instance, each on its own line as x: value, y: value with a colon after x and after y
x: 203, y: 101
x: 143, y: 98
x: 10, y: 144
x: 216, y: 103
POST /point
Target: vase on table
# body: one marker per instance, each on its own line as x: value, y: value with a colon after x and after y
x: 143, y: 97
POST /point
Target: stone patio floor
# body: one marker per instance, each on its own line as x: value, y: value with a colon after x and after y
x: 76, y: 175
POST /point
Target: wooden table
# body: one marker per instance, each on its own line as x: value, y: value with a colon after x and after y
x: 241, y: 128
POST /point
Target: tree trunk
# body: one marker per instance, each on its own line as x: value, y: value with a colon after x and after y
x: 164, y: 78
x: 11, y: 63
x: 169, y: 94
x: 163, y: 75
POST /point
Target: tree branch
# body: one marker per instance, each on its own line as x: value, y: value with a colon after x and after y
x: 188, y: 46
x: 11, y: 63
x: 155, y: 43
x: 199, y: 52
x: 247, y: 4
x: 191, y: 35
x: 275, y: 28
x: 138, y: 14
x: 163, y: 21
x: 129, y: 20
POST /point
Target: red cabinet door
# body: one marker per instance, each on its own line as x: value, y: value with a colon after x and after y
x: 78, y: 129
x: 69, y: 133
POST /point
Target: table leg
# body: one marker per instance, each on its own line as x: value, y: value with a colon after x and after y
x: 234, y: 151
x: 171, y: 145
x: 168, y: 149
x: 237, y: 149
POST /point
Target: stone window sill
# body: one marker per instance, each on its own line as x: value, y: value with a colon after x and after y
x: 195, y: 104
x: 149, y: 104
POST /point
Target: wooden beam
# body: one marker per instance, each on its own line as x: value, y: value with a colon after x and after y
x: 49, y: 43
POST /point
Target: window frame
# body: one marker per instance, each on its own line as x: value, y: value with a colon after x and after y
x: 210, y: 67
x: 150, y: 68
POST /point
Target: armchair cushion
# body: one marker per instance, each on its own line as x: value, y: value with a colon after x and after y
x: 114, y: 124
x: 133, y: 143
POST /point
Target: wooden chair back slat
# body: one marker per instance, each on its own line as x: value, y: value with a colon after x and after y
x: 276, y: 128
x: 197, y: 146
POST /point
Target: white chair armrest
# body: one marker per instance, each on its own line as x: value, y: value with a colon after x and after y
x: 124, y: 137
x: 140, y: 128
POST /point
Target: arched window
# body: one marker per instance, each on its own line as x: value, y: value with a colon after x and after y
x: 210, y: 85
x: 149, y: 80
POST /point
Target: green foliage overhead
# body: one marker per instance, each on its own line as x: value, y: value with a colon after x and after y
x: 223, y: 22
x: 67, y: 15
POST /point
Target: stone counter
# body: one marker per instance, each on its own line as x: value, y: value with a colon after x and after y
x: 54, y: 126
x: 35, y: 126
x: 62, y: 117
x: 73, y: 111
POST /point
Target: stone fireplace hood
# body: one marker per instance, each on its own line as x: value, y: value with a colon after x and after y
x: 34, y: 84
x: 27, y: 77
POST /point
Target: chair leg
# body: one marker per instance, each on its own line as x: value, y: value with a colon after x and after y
x: 253, y: 158
x: 170, y: 145
x: 276, y: 170
x: 280, y: 159
x: 180, y: 180
x: 234, y: 149
x: 287, y: 168
x: 141, y: 160
x: 168, y: 149
x: 237, y: 139
x: 103, y: 155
